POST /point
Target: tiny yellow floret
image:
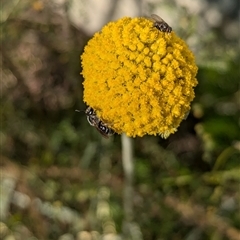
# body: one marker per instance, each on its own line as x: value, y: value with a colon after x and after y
x: 138, y: 79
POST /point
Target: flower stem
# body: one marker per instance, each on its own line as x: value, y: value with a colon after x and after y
x: 128, y: 168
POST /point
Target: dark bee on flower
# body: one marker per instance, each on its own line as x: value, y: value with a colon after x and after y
x: 94, y: 121
x: 98, y: 123
x: 160, y: 24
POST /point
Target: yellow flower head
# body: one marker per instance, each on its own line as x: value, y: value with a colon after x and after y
x: 138, y: 79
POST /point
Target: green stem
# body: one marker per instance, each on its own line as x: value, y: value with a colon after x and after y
x: 128, y: 168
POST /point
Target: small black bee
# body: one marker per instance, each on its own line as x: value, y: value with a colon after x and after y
x: 94, y: 121
x: 160, y: 24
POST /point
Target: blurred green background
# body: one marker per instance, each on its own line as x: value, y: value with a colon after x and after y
x: 61, y: 180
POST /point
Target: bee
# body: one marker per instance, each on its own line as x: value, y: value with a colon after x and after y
x: 160, y: 24
x: 96, y: 122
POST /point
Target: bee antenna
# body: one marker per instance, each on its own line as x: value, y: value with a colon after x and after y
x: 76, y: 110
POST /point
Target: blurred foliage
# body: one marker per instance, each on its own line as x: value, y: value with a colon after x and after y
x: 61, y: 180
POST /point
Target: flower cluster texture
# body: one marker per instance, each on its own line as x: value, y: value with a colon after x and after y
x: 138, y: 79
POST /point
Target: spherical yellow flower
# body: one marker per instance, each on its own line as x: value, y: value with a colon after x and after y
x: 138, y: 79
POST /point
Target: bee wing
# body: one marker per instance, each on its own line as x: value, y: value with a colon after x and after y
x: 104, y: 130
x: 156, y: 18
x: 103, y: 134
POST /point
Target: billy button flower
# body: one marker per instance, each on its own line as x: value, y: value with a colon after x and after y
x: 138, y: 79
